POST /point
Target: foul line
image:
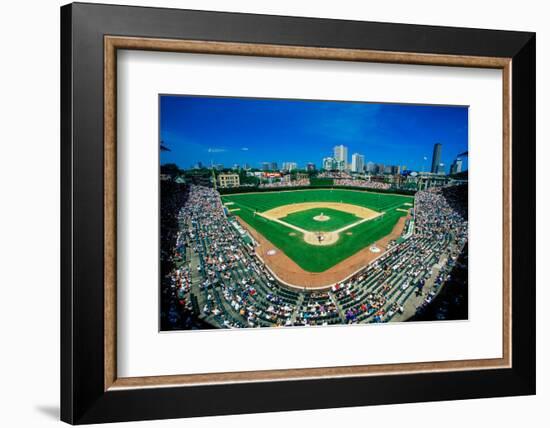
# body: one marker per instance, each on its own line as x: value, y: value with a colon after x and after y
x: 299, y: 229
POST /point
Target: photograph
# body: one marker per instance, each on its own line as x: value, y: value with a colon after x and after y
x: 285, y: 212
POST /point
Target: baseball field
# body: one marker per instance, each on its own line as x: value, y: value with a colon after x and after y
x: 319, y: 228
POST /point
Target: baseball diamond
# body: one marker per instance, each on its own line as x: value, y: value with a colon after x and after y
x: 318, y: 246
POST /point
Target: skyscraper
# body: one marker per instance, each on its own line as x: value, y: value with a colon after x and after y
x: 436, y: 158
x: 395, y: 169
x: 357, y: 162
x: 341, y: 156
x: 341, y: 165
x: 456, y: 166
x: 290, y: 166
x: 329, y: 164
x: 371, y: 167
x: 310, y: 166
x: 274, y: 166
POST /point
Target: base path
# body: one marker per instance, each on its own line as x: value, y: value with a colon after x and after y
x: 312, y: 238
x: 284, y: 210
x: 292, y: 275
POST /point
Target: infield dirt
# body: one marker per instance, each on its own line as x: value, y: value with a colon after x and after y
x: 284, y: 210
x: 292, y: 275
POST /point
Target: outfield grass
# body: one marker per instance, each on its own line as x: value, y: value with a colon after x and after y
x: 305, y: 219
x: 268, y: 200
x: 320, y: 258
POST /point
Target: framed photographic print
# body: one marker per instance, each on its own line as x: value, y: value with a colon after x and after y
x: 262, y: 206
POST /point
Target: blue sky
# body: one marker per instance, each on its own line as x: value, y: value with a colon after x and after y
x: 247, y: 130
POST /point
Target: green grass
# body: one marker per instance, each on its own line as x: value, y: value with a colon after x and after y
x: 318, y: 258
x: 305, y: 219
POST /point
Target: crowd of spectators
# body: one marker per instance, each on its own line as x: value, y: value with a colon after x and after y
x: 176, y: 309
x: 285, y: 183
x: 451, y: 303
x: 442, y: 211
x: 334, y: 174
x: 361, y: 183
x: 222, y: 278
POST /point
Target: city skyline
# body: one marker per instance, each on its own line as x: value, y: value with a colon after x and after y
x: 238, y: 131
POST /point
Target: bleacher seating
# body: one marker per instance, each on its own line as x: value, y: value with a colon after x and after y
x: 234, y: 289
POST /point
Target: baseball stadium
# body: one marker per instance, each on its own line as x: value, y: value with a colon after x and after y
x: 309, y: 257
x: 267, y: 221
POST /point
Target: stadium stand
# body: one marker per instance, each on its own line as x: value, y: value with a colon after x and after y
x: 215, y: 275
x: 362, y: 183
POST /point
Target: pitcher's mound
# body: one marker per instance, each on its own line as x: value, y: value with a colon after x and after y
x: 321, y: 217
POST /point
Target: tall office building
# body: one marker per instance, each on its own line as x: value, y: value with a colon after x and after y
x: 456, y: 166
x: 341, y: 165
x: 290, y: 166
x: 371, y: 167
x: 265, y: 166
x: 274, y: 166
x: 357, y: 162
x: 329, y: 164
x: 310, y: 166
x: 395, y: 169
x: 341, y: 156
x: 436, y: 158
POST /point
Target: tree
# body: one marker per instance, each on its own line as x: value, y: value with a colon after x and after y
x: 170, y: 168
